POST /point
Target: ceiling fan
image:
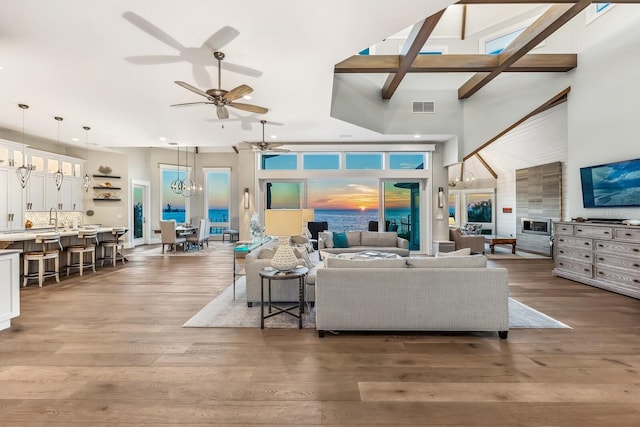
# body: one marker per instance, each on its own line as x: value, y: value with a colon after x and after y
x: 267, y: 146
x: 222, y: 98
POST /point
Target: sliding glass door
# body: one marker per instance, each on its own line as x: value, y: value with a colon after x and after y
x: 401, y: 210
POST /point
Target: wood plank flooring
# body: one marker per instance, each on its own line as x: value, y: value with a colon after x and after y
x: 108, y: 349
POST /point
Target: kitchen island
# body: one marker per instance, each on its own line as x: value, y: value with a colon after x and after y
x: 9, y: 287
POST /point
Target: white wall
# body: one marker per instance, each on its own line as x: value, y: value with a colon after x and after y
x: 603, y: 108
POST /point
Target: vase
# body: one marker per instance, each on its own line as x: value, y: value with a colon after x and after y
x: 284, y: 259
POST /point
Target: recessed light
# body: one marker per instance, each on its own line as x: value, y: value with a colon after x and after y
x: 247, y: 97
x: 1, y: 67
x: 75, y: 139
x: 162, y: 138
x: 416, y: 136
x: 274, y: 136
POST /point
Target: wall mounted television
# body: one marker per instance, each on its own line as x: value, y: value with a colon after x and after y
x: 611, y: 185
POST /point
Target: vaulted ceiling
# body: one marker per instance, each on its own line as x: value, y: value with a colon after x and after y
x: 112, y: 65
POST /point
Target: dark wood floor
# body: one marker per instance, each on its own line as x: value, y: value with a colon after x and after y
x: 108, y: 349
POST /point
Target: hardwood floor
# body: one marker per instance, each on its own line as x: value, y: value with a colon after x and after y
x: 108, y: 349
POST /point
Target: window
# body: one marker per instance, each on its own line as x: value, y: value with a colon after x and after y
x: 406, y: 161
x: 346, y: 204
x: 595, y: 10
x: 173, y: 206
x: 279, y: 161
x: 283, y: 195
x: 217, y: 199
x: 496, y: 45
x: 363, y: 161
x: 321, y: 161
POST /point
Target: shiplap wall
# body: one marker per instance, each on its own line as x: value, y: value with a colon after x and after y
x: 538, y: 141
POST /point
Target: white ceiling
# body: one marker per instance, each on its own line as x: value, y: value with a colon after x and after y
x: 72, y: 58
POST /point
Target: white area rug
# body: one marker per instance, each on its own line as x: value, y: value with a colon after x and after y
x: 224, y: 312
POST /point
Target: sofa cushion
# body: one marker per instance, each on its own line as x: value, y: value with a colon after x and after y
x: 333, y: 262
x: 267, y: 252
x: 459, y: 252
x: 471, y: 261
x: 379, y: 238
x: 340, y: 240
x: 301, y: 253
x: 353, y: 239
x: 327, y: 238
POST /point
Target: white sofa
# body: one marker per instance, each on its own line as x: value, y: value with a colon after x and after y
x: 359, y: 241
x: 426, y: 294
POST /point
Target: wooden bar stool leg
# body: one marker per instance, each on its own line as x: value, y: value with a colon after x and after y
x: 25, y: 271
x: 40, y: 271
x: 56, y: 263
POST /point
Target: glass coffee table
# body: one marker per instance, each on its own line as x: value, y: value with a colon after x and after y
x: 369, y: 255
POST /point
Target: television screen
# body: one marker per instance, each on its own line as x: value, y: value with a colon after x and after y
x: 611, y: 185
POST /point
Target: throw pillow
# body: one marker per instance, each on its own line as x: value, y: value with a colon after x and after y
x: 459, y: 252
x: 327, y: 238
x: 340, y: 240
x: 301, y: 253
x: 472, y: 229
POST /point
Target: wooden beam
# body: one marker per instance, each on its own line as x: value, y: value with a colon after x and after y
x: 556, y: 100
x: 457, y: 63
x: 414, y: 46
x: 463, y: 30
x: 486, y: 166
x: 550, y: 21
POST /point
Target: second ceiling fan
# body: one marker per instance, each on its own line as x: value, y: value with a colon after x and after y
x: 222, y: 98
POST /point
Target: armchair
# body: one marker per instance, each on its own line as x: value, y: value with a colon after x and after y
x: 473, y: 242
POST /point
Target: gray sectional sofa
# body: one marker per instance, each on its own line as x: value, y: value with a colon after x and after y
x: 423, y: 294
x: 359, y: 241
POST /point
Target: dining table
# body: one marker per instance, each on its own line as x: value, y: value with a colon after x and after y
x: 185, y: 230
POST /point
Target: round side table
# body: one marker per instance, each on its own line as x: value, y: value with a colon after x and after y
x: 299, y: 273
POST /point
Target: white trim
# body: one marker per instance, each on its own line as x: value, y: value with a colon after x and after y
x: 591, y: 13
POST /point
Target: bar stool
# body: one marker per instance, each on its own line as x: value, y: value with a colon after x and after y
x: 90, y: 240
x: 51, y: 248
x: 111, y: 249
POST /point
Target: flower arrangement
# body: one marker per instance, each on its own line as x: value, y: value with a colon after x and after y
x: 256, y: 228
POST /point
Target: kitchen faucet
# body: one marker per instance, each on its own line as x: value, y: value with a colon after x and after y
x: 53, y: 220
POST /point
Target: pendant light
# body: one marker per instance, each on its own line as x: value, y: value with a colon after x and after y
x: 59, y: 176
x: 187, y: 186
x: 24, y: 171
x: 86, y: 181
x: 176, y: 184
x: 196, y: 186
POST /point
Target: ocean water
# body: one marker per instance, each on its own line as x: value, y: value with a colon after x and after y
x: 355, y: 219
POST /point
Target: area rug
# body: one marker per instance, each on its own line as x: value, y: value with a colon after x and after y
x: 224, y: 312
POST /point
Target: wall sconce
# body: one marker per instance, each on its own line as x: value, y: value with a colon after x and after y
x: 440, y: 197
x: 246, y: 197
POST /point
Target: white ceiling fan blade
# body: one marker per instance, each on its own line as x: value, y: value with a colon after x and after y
x: 240, y: 69
x: 201, y: 76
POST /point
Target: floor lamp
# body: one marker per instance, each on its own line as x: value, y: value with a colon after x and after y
x: 283, y: 223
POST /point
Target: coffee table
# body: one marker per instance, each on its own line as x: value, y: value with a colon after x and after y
x: 494, y: 240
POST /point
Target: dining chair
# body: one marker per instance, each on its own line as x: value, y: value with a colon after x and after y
x: 168, y: 236
x: 201, y: 235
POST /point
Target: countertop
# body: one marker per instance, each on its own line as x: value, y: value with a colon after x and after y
x: 4, y: 252
x: 31, y: 235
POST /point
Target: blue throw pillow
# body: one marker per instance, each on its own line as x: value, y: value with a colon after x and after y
x: 340, y: 240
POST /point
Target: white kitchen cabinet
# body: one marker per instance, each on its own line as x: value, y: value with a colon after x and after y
x: 11, y: 200
x: 9, y: 287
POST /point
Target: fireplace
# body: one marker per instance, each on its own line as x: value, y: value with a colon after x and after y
x: 536, y: 226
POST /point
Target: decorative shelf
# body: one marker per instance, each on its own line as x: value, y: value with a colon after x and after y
x: 106, y: 200
x: 106, y: 176
x: 107, y: 188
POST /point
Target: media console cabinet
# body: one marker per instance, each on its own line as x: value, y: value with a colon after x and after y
x: 603, y: 255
